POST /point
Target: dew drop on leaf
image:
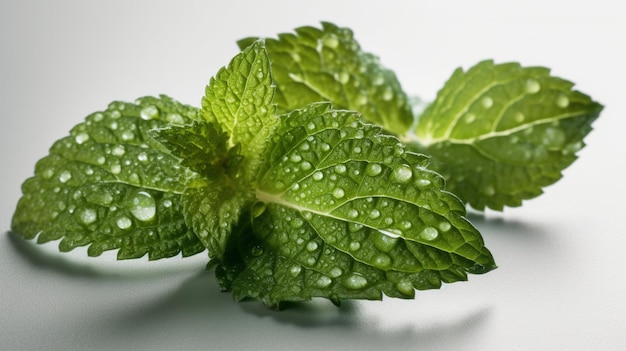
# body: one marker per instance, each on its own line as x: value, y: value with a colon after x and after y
x: 338, y: 193
x: 311, y: 246
x: 65, y: 176
x: 487, y: 102
x: 532, y: 86
x: 143, y: 206
x: 562, y: 101
x: 81, y: 138
x: 124, y: 223
x: 382, y: 261
x: 88, y: 216
x: 354, y: 281
x: 373, y: 169
x: 323, y: 282
x: 403, y: 174
x: 340, y: 169
x: 429, y: 233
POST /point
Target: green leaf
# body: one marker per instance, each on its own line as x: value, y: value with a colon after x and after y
x: 110, y: 186
x: 327, y: 64
x: 239, y: 99
x: 212, y: 204
x: 343, y: 212
x: 500, y: 133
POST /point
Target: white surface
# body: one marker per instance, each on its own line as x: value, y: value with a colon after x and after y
x: 561, y: 281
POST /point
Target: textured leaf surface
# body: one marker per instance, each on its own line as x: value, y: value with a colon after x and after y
x: 345, y: 212
x: 500, y: 133
x: 239, y: 99
x: 327, y: 64
x: 110, y: 186
x: 212, y: 203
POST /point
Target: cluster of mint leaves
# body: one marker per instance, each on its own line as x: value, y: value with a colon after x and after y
x: 304, y: 172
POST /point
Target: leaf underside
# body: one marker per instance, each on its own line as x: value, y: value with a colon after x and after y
x: 110, y: 186
x: 500, y: 133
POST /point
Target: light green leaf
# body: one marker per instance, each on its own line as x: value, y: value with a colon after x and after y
x: 212, y: 203
x: 110, y: 186
x: 344, y: 211
x: 327, y: 64
x: 500, y: 133
x: 239, y: 100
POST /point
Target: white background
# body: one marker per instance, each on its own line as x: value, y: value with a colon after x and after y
x: 561, y: 281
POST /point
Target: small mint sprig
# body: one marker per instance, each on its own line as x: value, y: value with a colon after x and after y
x: 313, y: 203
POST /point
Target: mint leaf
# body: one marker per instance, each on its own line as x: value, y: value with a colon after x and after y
x: 239, y: 99
x: 211, y: 203
x: 110, y: 186
x: 327, y: 64
x: 500, y: 133
x: 346, y: 212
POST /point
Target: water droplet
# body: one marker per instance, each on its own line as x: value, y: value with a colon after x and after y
x: 65, y: 176
x: 305, y: 165
x: 124, y: 222
x: 325, y: 147
x: 88, y: 216
x: 167, y: 203
x: 387, y: 94
x: 382, y: 261
x: 562, y: 101
x: 149, y: 112
x: 297, y: 223
x: 311, y: 126
x: 311, y: 246
x: 116, y: 168
x: 403, y: 174
x: 118, y: 150
x: 404, y: 225
x: 127, y: 135
x: 357, y: 149
x: 143, y: 157
x: 519, y: 117
x: 48, y: 173
x: 101, y: 160
x: 532, y: 86
x: 115, y: 114
x: 335, y: 272
x: 340, y: 168
x: 352, y: 213
x: 295, y: 187
x: 143, y: 206
x: 429, y: 233
x: 338, y: 193
x: 295, y: 270
x: 256, y: 251
x: 469, y: 118
x: 487, y: 102
x: 374, y: 214
x: 331, y: 41
x: 81, y: 138
x: 355, y: 245
x: 445, y: 226
x: 323, y: 282
x: 553, y: 137
x: 373, y: 169
x: 295, y: 158
x: 405, y: 287
x: 318, y: 175
x: 354, y: 281
x: 385, y: 242
x: 175, y: 118
x: 343, y: 77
